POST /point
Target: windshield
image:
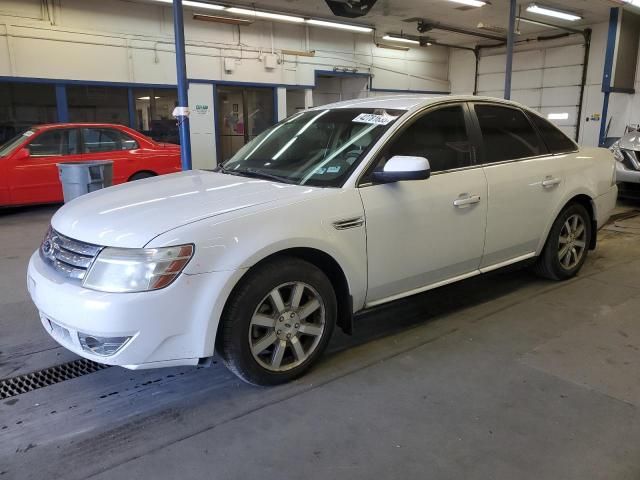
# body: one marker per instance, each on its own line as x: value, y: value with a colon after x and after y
x: 318, y: 147
x: 9, y: 146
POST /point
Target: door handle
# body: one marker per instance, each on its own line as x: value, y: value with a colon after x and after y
x: 549, y: 182
x: 466, y: 200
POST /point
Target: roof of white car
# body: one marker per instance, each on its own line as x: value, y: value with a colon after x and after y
x: 407, y: 102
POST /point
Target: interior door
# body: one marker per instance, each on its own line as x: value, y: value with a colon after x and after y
x: 243, y: 114
x: 34, y: 179
x: 421, y: 233
x: 526, y: 183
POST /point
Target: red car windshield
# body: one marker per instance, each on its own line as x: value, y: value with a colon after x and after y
x: 12, y: 144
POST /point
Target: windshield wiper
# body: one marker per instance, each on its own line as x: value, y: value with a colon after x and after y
x: 252, y: 172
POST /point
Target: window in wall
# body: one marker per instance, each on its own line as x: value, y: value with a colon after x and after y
x: 23, y: 105
x: 440, y: 136
x: 60, y: 141
x: 88, y: 103
x: 106, y: 140
x: 154, y: 108
x: 556, y: 141
x: 507, y: 134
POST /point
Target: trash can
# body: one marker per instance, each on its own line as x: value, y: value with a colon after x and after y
x: 78, y: 178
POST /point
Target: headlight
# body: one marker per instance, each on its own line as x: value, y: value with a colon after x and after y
x: 617, y: 153
x: 120, y: 270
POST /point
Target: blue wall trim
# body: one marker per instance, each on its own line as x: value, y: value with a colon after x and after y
x: 62, y: 111
x: 393, y: 90
x: 608, y: 70
x: 250, y: 84
x: 84, y: 82
x: 331, y: 73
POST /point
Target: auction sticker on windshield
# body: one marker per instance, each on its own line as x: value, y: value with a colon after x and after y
x: 374, y: 119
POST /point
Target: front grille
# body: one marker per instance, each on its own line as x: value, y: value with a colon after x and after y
x: 631, y: 159
x: 69, y: 257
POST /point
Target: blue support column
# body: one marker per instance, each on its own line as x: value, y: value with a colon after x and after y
x: 181, y: 71
x: 62, y: 110
x: 510, y: 41
x: 132, y: 108
x: 612, y: 38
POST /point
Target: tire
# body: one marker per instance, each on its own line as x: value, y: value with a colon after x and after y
x: 141, y: 175
x: 266, y: 340
x: 557, y: 264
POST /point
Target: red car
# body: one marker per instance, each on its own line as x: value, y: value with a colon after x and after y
x: 28, y: 172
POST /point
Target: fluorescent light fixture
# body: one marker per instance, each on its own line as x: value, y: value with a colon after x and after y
x: 392, y: 47
x: 394, y: 38
x: 558, y: 116
x: 147, y: 98
x: 269, y: 15
x: 552, y: 12
x: 340, y: 26
x: 470, y: 3
x: 189, y: 3
x: 220, y: 19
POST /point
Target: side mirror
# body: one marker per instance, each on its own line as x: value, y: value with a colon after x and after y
x: 400, y: 168
x: 22, y: 154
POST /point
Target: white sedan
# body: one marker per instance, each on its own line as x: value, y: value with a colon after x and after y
x: 331, y: 211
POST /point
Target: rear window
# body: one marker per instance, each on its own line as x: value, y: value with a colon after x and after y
x: 556, y: 141
x: 507, y: 134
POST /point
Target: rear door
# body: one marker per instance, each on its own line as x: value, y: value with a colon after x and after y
x: 34, y: 179
x: 525, y: 183
x: 105, y: 143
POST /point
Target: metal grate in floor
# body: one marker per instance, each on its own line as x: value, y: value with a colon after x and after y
x: 10, y: 387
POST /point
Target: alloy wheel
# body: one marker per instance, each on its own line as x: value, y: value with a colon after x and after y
x: 287, y: 326
x: 572, y: 242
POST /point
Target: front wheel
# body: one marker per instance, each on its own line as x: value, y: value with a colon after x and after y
x: 278, y: 322
x: 567, y: 244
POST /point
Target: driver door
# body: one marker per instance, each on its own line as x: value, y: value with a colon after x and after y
x: 419, y: 233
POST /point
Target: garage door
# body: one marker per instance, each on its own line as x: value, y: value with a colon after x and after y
x: 547, y: 80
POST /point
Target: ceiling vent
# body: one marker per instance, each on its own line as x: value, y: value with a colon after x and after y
x: 350, y: 8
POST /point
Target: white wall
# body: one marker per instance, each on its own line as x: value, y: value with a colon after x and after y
x: 120, y: 41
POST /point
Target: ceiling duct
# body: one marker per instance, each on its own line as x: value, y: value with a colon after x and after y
x: 350, y: 8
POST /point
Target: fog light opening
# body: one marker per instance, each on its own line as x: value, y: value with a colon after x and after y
x: 102, y: 346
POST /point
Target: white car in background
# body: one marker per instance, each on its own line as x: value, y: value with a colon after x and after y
x: 329, y: 212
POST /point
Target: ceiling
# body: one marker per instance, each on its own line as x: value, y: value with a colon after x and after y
x: 390, y: 15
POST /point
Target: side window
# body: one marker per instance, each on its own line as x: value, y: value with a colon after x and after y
x: 440, y: 136
x: 59, y: 141
x: 98, y: 140
x: 556, y: 141
x: 507, y: 134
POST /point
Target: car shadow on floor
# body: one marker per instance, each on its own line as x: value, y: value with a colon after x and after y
x: 400, y: 315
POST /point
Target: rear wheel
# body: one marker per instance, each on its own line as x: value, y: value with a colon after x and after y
x: 278, y: 322
x: 567, y: 244
x: 141, y: 175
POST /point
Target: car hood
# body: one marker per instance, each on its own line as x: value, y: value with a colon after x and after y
x: 631, y: 141
x: 132, y: 214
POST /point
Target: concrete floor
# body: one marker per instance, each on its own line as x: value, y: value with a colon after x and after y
x: 504, y: 376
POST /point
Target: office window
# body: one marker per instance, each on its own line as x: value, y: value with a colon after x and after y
x: 90, y: 103
x: 154, y: 108
x: 23, y: 105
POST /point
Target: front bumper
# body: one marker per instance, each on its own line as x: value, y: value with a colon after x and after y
x: 172, y: 326
x: 626, y: 175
